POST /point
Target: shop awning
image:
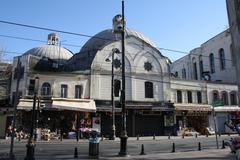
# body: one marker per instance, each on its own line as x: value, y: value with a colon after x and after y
x: 84, y: 105
x: 25, y: 104
x: 108, y: 109
x: 192, y: 107
x: 227, y: 109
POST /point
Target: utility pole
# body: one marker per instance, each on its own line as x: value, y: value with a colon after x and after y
x: 31, y: 143
x: 15, y: 100
x: 123, y: 136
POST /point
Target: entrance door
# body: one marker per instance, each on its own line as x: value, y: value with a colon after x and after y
x: 147, y: 125
x: 220, y: 124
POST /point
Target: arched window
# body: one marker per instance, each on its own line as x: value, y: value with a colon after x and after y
x: 179, y: 96
x: 64, y: 91
x: 212, y: 65
x: 117, y: 87
x: 195, y: 74
x: 222, y: 59
x: 184, y: 73
x: 215, y: 95
x: 199, y: 97
x: 78, y: 91
x: 46, y: 89
x: 225, y: 97
x: 232, y: 55
x: 189, y: 96
x: 201, y: 66
x: 148, y: 90
x: 233, y: 98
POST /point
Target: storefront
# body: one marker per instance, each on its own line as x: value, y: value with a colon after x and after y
x: 59, y: 116
x: 193, y: 116
x: 143, y: 118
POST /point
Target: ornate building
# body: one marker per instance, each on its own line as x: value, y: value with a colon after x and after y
x: 5, y: 107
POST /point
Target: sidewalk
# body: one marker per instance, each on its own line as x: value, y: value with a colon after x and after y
x: 213, y: 154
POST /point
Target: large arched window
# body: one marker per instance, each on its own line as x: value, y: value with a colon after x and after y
x: 211, y: 61
x: 224, y: 97
x: 200, y: 66
x: 117, y: 87
x: 46, y: 89
x: 222, y: 59
x: 148, y: 90
x: 232, y: 55
x: 184, y: 73
x: 179, y: 96
x: 233, y: 98
x: 195, y: 74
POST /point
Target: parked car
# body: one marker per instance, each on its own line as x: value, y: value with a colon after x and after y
x: 210, y: 131
x: 189, y: 132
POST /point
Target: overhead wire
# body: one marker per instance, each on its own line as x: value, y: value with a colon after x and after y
x: 89, y: 36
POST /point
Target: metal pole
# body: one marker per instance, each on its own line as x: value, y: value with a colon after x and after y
x: 37, y: 119
x: 215, y: 127
x: 31, y: 144
x: 18, y: 74
x: 123, y: 136
x: 112, y: 99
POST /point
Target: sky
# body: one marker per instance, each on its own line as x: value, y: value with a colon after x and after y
x: 171, y: 24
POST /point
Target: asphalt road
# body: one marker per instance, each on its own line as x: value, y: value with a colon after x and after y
x: 59, y: 149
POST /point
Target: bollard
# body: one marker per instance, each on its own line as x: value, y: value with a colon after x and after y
x: 228, y: 134
x: 61, y: 137
x: 154, y: 137
x: 173, y: 147
x: 223, y: 145
x: 199, y: 146
x: 138, y: 137
x: 75, y: 153
x: 77, y: 136
x: 169, y: 136
x: 102, y: 138
x: 207, y: 135
x: 142, y: 150
x: 183, y: 136
x: 196, y: 135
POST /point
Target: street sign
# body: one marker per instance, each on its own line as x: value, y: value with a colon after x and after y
x: 218, y: 102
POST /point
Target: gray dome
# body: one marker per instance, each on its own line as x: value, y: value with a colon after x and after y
x: 53, y: 52
x: 99, y: 41
x: 107, y: 36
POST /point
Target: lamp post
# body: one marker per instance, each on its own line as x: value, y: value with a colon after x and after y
x: 119, y: 27
x: 113, y: 134
x: 31, y: 143
x: 215, y: 126
x: 15, y: 101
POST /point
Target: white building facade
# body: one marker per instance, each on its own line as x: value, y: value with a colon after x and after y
x: 213, y: 64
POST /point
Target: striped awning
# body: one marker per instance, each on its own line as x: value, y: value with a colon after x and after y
x: 84, y: 105
x: 227, y: 109
x: 193, y: 107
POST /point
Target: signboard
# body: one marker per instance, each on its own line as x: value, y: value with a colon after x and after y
x: 217, y: 102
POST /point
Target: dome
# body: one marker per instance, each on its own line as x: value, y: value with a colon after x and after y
x: 53, y: 52
x: 99, y: 41
x: 107, y: 36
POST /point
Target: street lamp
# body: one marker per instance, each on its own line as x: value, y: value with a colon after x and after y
x: 31, y: 143
x: 113, y: 134
x: 119, y: 27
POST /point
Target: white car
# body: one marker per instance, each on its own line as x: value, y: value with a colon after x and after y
x: 210, y: 130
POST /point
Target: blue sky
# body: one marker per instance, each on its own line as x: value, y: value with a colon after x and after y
x: 174, y: 24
